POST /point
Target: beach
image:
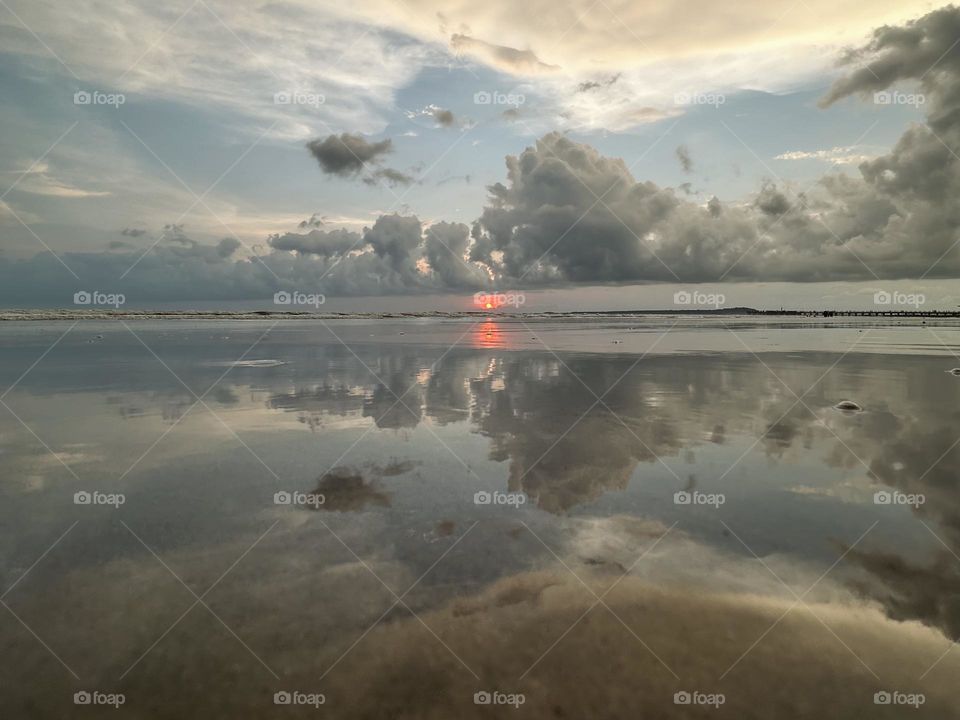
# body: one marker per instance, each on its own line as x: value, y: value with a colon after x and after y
x: 389, y: 516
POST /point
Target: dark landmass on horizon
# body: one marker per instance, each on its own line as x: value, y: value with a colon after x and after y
x: 86, y: 314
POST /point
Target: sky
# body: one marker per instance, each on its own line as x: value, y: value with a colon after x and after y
x: 404, y: 154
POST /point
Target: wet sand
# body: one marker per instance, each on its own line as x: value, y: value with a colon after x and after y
x: 485, y: 486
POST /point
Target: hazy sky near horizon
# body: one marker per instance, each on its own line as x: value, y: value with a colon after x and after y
x: 208, y: 151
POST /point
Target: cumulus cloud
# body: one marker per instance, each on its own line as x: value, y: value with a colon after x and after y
x: 894, y: 218
x: 446, y: 250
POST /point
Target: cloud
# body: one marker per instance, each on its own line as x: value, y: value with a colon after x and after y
x: 683, y: 155
x: 444, y: 118
x: 347, y: 155
x: 40, y: 180
x: 446, y: 250
x: 594, y: 84
x: 894, y: 218
x: 313, y: 221
x: 439, y: 116
x: 227, y: 247
x: 133, y: 232
x: 523, y: 62
x: 392, y: 177
x: 317, y: 242
x: 846, y: 155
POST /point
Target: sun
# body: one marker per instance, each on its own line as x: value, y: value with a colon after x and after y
x: 489, y: 306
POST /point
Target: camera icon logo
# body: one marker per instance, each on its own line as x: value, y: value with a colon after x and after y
x: 481, y: 698
x: 882, y: 497
x: 882, y: 698
x: 82, y: 698
x: 282, y: 298
x: 482, y: 98
x: 682, y: 698
x: 882, y: 98
x: 82, y: 298
x: 82, y: 498
x: 882, y: 297
x: 282, y: 497
x: 482, y: 498
x: 682, y: 497
x: 82, y: 97
x: 282, y: 698
x: 281, y: 98
x: 682, y: 297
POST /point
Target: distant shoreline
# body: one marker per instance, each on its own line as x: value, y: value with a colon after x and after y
x: 83, y: 314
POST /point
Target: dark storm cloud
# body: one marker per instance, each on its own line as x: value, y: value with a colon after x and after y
x: 133, y: 232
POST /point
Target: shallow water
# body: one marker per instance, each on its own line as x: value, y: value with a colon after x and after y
x: 480, y: 506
